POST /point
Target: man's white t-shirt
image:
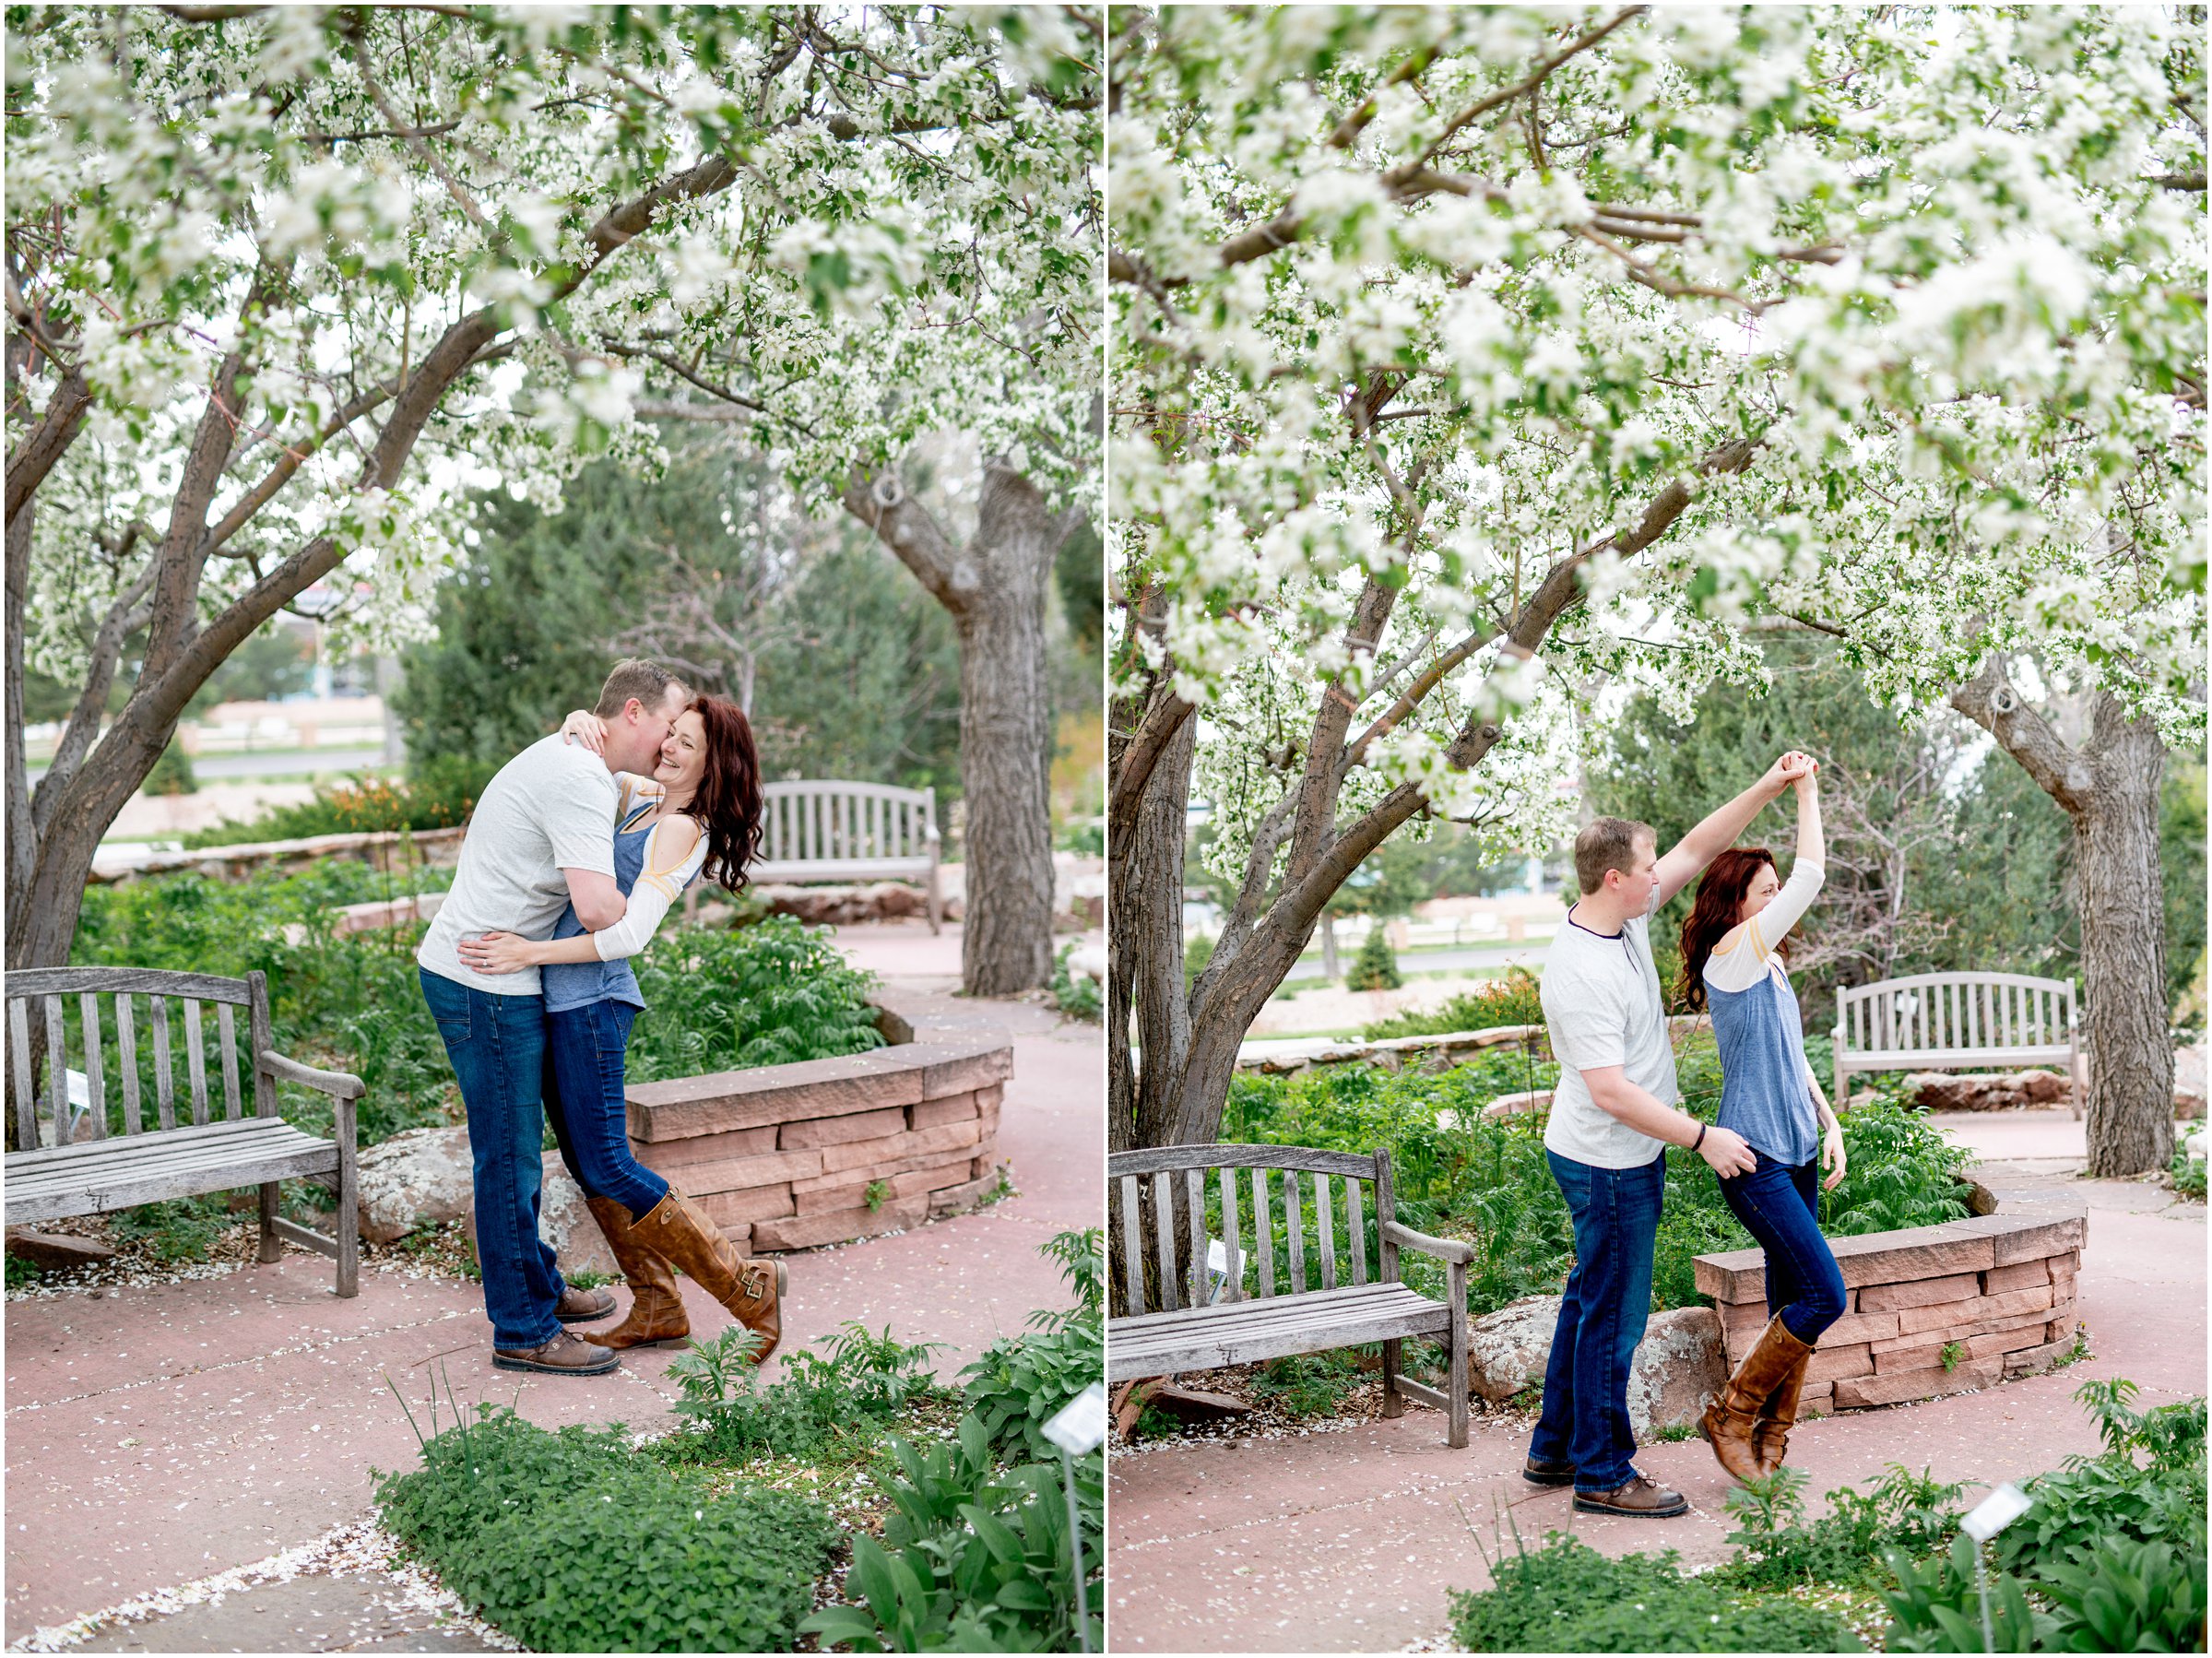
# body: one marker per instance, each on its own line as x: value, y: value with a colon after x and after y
x: 550, y: 808
x: 1601, y: 1005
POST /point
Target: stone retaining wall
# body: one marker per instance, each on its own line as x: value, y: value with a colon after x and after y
x: 785, y: 1156
x: 2000, y: 1286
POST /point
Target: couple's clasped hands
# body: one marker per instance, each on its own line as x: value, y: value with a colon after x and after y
x: 1795, y: 768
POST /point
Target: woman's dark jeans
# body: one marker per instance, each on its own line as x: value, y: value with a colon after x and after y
x: 584, y: 1060
x: 1602, y: 1316
x: 1779, y: 1205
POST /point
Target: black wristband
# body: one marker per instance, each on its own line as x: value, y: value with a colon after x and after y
x: 1700, y: 1140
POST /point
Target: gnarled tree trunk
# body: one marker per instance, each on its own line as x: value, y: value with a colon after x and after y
x: 2109, y: 789
x: 995, y: 590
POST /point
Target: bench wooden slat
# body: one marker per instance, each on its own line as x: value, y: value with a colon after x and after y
x: 1263, y: 1231
x: 1232, y: 1240
x: 96, y: 1081
x: 65, y: 981
x: 18, y: 1046
x: 1324, y: 1230
x: 121, y: 1146
x: 195, y: 1064
x: 164, y: 1079
x: 1318, y: 1325
x: 1194, y: 1194
x: 230, y: 1161
x: 1291, y: 1207
x: 1358, y: 1223
x: 226, y: 1029
x: 57, y: 1069
x: 1132, y: 1244
x: 1290, y: 1309
x: 51, y: 1200
x: 1151, y: 1159
x: 127, y: 1049
x: 1162, y: 1194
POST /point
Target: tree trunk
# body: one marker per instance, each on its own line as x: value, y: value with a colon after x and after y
x: 2123, y: 951
x: 1006, y: 745
x: 994, y: 590
x: 2109, y: 789
x: 1331, y: 969
x: 1146, y: 920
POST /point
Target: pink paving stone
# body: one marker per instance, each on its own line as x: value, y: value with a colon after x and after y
x: 260, y: 1403
x: 1351, y: 1540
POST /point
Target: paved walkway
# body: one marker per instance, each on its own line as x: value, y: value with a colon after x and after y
x: 160, y: 1436
x: 1351, y: 1540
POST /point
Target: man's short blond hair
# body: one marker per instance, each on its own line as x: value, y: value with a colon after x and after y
x: 1608, y: 844
x: 635, y: 677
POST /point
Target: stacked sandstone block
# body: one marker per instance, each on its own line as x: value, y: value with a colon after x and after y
x: 1999, y: 1285
x: 786, y: 1156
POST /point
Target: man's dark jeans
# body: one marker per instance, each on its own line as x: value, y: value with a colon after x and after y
x: 497, y: 1047
x: 1779, y: 1205
x: 1585, y: 1419
x: 586, y: 1050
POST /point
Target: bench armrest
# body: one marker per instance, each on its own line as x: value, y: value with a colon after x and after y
x: 1443, y: 1249
x: 338, y: 1084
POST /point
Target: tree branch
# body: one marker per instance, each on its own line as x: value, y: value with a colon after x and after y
x: 48, y: 441
x: 902, y: 524
x: 1990, y: 702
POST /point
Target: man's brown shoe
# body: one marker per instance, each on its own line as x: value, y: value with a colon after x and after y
x: 1641, y: 1498
x: 563, y: 1355
x: 1547, y: 1474
x: 678, y: 1231
x: 582, y: 1306
x: 657, y: 1318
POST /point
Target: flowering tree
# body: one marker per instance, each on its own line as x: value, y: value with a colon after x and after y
x: 1465, y: 358
x: 278, y: 278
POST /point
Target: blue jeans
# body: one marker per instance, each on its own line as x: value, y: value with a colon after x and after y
x: 584, y: 1053
x: 497, y: 1047
x: 1585, y: 1418
x: 1779, y: 1205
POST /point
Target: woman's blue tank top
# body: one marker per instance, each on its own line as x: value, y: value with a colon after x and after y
x: 567, y: 985
x: 1763, y: 1092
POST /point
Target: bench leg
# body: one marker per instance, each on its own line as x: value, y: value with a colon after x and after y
x: 1456, y: 1433
x: 1393, y: 1402
x: 347, y: 1222
x: 272, y: 1246
x: 937, y: 903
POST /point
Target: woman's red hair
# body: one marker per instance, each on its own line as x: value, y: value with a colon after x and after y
x: 1719, y: 902
x: 726, y: 806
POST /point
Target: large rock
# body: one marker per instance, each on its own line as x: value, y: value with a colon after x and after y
x: 565, y: 1222
x: 1679, y: 1366
x: 1941, y: 1091
x: 415, y: 1178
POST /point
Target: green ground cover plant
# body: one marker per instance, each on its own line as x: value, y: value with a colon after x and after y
x: 1309, y: 1385
x: 651, y: 1557
x: 1375, y: 965
x: 1566, y: 1598
x: 975, y: 1555
x: 834, y: 1406
x: 2109, y: 1558
x: 1075, y: 994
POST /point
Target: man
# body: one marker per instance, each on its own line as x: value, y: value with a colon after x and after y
x: 1612, y: 1117
x: 541, y: 837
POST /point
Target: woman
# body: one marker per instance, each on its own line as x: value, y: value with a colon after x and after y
x: 1732, y: 964
x: 700, y: 810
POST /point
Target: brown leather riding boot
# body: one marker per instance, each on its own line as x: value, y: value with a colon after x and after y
x: 678, y: 1230
x: 656, y: 1318
x: 1729, y: 1420
x: 1770, y: 1433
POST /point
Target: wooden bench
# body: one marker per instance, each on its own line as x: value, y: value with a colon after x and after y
x: 1957, y: 1022
x: 69, y: 1162
x: 833, y: 831
x: 1189, y: 1329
